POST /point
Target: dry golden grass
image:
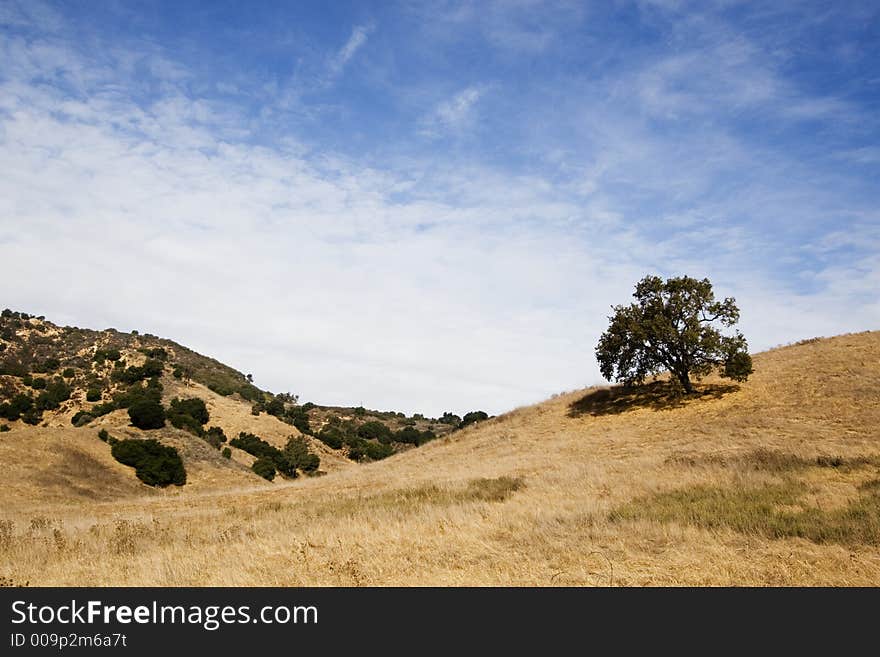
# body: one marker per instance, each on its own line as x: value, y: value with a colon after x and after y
x: 533, y: 497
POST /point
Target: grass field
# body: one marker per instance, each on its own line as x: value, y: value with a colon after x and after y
x: 772, y: 482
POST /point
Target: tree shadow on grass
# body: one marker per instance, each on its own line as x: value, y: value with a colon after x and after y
x: 657, y: 395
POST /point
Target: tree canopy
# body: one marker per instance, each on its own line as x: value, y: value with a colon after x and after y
x: 673, y: 326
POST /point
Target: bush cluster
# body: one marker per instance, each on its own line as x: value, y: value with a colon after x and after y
x: 147, y: 414
x: 81, y: 418
x: 295, y: 455
x: 215, y: 437
x: 135, y: 373
x: 155, y: 464
x: 473, y: 417
x: 102, y: 355
x: 189, y: 414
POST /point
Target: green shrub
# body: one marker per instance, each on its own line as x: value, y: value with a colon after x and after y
x: 99, y: 410
x: 189, y: 414
x: 226, y: 453
x: 377, y: 451
x: 4, y: 428
x: 221, y: 388
x: 56, y: 392
x: 155, y: 464
x: 93, y: 394
x: 68, y: 373
x: 48, y: 365
x: 265, y: 468
x: 151, y: 368
x: 215, y: 436
x: 332, y: 437
x: 18, y: 405
x: 32, y: 416
x: 298, y: 417
x: 256, y: 446
x: 102, y: 355
x: 158, y: 353
x: 147, y: 414
x: 375, y: 430
x: 104, y: 435
x: 36, y: 383
x: 473, y: 417
x: 274, y: 407
x: 298, y: 456
x: 450, y: 418
x: 357, y: 449
x: 136, y: 392
x: 81, y: 418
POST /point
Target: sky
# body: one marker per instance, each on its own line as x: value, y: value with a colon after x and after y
x: 433, y: 206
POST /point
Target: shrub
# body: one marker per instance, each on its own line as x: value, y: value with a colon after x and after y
x: 152, y: 391
x: 274, y: 407
x: 68, y: 373
x: 413, y: 436
x: 265, y: 468
x: 36, y: 383
x: 226, y: 453
x: 152, y: 368
x: 299, y: 418
x: 93, y: 394
x: 256, y: 446
x: 375, y: 430
x: 81, y: 418
x: 155, y: 464
x: 190, y: 414
x: 102, y: 355
x: 332, y: 437
x: 450, y: 418
x: 32, y: 416
x: 357, y: 449
x: 20, y: 404
x: 99, y: 410
x: 48, y: 365
x: 378, y: 451
x: 215, y: 436
x: 158, y: 353
x: 221, y: 388
x: 147, y: 414
x: 473, y: 417
x: 104, y: 435
x: 298, y: 456
x: 55, y: 393
x: 4, y: 428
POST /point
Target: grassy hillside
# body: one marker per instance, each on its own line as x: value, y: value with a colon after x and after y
x: 63, y: 385
x: 772, y: 482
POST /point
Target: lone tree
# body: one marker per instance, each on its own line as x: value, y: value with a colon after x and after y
x: 673, y: 326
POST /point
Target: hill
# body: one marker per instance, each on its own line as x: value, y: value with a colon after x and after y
x: 61, y: 386
x: 772, y: 482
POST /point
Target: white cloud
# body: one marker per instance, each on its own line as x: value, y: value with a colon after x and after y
x: 355, y: 42
x: 453, y: 114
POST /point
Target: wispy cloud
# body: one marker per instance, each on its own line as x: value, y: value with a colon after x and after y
x: 453, y: 114
x: 355, y: 42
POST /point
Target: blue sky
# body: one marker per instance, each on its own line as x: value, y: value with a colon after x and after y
x: 432, y: 206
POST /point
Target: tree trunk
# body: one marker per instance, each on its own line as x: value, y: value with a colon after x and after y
x: 685, y: 381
